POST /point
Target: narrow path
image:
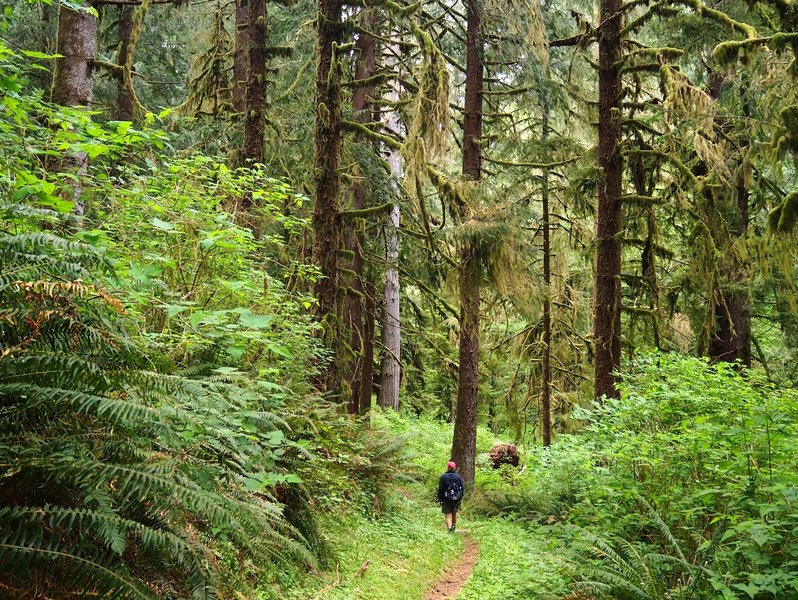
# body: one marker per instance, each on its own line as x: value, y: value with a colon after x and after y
x: 449, y: 584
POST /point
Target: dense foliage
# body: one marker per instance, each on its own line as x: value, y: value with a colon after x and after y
x: 140, y: 458
x: 688, y: 480
x: 228, y: 228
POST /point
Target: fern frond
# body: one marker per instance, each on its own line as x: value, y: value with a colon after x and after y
x: 82, y: 573
x: 25, y: 396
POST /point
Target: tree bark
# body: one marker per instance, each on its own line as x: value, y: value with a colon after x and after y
x: 464, y: 443
x: 255, y: 100
x: 607, y: 289
x: 327, y: 159
x: 367, y: 367
x: 124, y: 103
x: 391, y: 365
x: 241, y: 55
x: 73, y: 80
x: 731, y: 340
x: 465, y: 425
x: 472, y: 119
x: 731, y: 336
x: 391, y: 370
x: 545, y: 396
x: 356, y: 239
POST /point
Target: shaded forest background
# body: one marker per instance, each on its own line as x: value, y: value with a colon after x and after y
x: 232, y: 228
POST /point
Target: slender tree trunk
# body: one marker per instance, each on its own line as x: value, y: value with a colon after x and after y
x: 367, y: 368
x: 391, y: 370
x: 607, y: 290
x: 390, y: 365
x: 361, y: 103
x: 327, y: 160
x: 465, y: 425
x: 545, y: 397
x: 255, y: 100
x: 124, y: 103
x: 241, y: 55
x: 73, y: 80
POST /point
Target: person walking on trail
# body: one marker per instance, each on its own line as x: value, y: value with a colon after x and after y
x: 450, y: 493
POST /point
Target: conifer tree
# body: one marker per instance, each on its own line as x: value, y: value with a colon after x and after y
x: 255, y: 96
x: 607, y: 290
x: 240, y: 54
x: 469, y: 268
x: 359, y: 318
x: 327, y: 160
x: 73, y: 80
x: 390, y: 366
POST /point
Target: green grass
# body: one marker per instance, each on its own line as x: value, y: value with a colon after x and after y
x: 515, y: 562
x: 407, y: 546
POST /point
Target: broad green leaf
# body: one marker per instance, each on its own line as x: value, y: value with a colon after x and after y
x: 279, y: 350
x: 162, y: 225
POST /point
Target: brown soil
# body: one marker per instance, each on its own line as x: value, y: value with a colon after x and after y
x: 449, y: 584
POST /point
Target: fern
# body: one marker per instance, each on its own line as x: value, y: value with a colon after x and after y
x: 625, y: 570
x: 111, y: 471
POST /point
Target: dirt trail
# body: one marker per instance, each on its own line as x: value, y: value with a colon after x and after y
x: 449, y: 584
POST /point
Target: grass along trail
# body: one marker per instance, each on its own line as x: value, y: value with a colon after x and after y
x: 407, y: 553
x: 450, y: 583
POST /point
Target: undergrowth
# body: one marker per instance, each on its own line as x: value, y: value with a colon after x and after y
x: 390, y: 556
x: 515, y: 563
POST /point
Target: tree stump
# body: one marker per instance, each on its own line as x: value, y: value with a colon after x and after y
x: 504, y: 454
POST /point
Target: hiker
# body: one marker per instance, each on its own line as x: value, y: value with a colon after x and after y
x: 450, y: 493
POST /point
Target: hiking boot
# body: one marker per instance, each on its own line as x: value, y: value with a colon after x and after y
x: 451, y: 529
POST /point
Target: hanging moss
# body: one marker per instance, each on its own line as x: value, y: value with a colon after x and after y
x: 783, y: 218
x: 127, y: 67
x: 787, y: 138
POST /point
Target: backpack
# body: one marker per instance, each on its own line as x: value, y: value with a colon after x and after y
x: 453, y: 492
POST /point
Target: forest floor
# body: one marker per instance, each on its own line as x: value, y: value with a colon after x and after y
x: 450, y: 583
x: 405, y: 553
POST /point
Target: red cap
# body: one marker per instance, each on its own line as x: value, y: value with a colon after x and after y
x: 452, y: 465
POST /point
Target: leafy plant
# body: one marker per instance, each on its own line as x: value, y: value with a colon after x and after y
x: 625, y: 569
x: 110, y: 470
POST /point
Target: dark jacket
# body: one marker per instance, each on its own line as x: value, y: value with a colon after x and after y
x: 445, y: 480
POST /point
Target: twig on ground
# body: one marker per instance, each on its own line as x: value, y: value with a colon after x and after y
x: 331, y: 586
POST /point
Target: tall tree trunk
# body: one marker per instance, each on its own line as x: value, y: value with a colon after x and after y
x: 472, y: 119
x: 124, y: 102
x: 255, y: 100
x: 355, y: 305
x: 607, y: 289
x: 391, y: 365
x: 73, y: 80
x: 545, y: 396
x: 241, y: 55
x: 327, y: 160
x: 464, y: 442
x: 367, y: 368
x: 465, y: 425
x: 731, y: 339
